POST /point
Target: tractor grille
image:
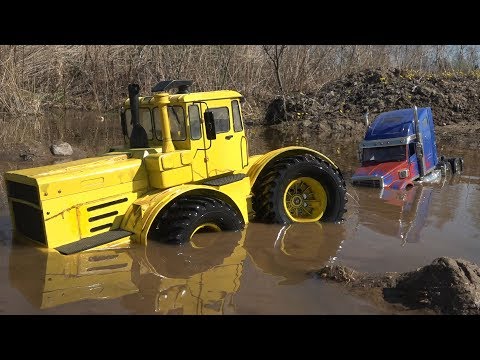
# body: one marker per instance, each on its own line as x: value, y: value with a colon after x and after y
x: 23, y: 192
x: 29, y: 221
x: 376, y: 183
x: 104, y: 220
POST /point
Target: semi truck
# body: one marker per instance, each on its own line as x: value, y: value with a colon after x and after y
x: 399, y: 148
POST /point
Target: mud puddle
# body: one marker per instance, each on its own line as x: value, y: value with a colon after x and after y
x: 263, y: 269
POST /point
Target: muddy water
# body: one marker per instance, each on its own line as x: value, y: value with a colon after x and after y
x: 261, y: 270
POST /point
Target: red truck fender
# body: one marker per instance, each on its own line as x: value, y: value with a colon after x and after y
x: 401, y: 184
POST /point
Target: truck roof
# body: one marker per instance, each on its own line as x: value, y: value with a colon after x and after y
x: 394, y: 124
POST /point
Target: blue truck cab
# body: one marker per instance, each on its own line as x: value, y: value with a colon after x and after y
x: 399, y: 147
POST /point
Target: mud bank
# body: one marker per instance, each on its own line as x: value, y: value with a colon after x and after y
x: 446, y: 286
x: 342, y: 104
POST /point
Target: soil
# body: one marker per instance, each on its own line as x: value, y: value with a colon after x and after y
x: 34, y: 153
x: 342, y: 105
x: 446, y: 286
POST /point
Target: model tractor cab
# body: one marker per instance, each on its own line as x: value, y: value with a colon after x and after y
x: 399, y: 147
x: 196, y: 124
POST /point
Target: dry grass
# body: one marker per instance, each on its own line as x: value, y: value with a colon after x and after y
x: 35, y: 78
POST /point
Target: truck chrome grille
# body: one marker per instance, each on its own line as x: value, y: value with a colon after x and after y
x: 373, y: 181
x: 370, y: 183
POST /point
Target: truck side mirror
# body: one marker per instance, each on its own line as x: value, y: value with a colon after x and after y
x: 123, y: 121
x: 209, y: 125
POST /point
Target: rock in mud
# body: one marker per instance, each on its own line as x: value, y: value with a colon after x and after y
x: 61, y: 149
x: 447, y: 286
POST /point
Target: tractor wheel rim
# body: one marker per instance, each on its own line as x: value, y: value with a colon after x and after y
x: 305, y: 200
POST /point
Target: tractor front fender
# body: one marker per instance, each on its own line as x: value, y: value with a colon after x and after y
x: 142, y: 213
x: 259, y: 162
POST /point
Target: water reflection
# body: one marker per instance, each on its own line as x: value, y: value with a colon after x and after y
x: 201, y: 277
x: 48, y: 279
x: 290, y: 251
x: 195, y: 278
x: 398, y: 213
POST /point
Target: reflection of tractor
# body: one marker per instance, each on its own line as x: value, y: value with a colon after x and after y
x: 398, y: 213
x: 49, y: 279
x: 199, y: 277
x: 399, y: 147
x: 192, y: 279
x: 186, y: 170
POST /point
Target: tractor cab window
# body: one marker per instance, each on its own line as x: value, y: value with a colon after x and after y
x: 194, y: 116
x: 384, y: 154
x: 177, y: 123
x: 144, y: 118
x: 237, y: 119
x: 222, y: 119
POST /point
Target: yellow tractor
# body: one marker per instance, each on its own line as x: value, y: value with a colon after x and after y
x: 184, y: 169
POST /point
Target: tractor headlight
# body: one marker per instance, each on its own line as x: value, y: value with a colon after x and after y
x: 402, y: 174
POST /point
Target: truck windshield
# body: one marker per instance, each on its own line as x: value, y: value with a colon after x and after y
x: 384, y: 154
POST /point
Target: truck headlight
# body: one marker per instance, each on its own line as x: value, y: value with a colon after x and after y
x: 402, y: 174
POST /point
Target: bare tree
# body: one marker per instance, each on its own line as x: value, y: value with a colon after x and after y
x: 275, y: 54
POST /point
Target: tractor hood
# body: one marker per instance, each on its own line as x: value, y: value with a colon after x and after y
x: 58, y: 180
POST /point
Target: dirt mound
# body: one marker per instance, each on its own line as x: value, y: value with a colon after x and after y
x: 447, y: 286
x: 453, y: 97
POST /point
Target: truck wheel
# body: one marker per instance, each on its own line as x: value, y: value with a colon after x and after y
x: 300, y: 188
x: 191, y: 214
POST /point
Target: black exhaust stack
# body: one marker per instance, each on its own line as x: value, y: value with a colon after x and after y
x: 138, y: 137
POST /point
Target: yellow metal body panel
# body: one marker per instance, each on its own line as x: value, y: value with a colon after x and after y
x: 141, y: 215
x: 227, y: 152
x: 82, y: 198
x: 59, y: 180
x: 170, y: 178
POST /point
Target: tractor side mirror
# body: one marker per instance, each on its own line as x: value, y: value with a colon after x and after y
x: 123, y: 121
x: 209, y: 125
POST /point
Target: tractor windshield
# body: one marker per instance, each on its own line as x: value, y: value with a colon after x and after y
x: 385, y: 154
x: 153, y: 128
x: 145, y: 120
x: 177, y: 123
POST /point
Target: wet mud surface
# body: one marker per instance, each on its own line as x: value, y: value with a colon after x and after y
x: 446, y: 286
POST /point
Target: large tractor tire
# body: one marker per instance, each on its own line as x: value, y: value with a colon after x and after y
x: 300, y: 188
x: 191, y: 214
